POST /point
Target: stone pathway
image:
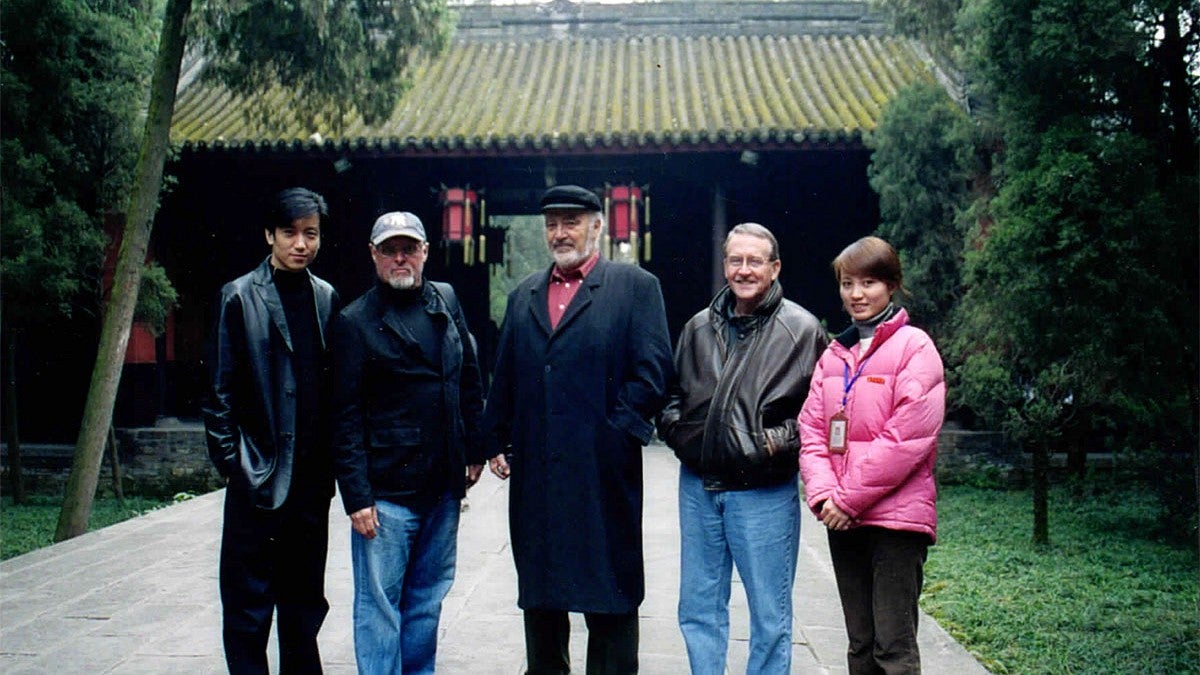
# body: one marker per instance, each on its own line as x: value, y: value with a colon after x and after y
x: 141, y: 597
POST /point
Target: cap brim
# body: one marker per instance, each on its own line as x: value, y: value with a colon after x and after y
x: 577, y: 207
x: 384, y: 237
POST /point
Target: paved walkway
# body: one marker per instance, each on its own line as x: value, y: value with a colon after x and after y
x: 141, y: 597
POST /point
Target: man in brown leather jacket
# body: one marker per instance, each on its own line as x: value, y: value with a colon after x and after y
x: 267, y: 426
x: 743, y: 368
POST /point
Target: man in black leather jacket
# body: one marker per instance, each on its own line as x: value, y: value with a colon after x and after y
x: 743, y: 368
x: 408, y: 399
x: 266, y: 422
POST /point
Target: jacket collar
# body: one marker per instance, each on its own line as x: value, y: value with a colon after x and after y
x: 540, y: 308
x: 264, y: 285
x: 719, y: 309
x: 849, y: 337
x: 429, y: 300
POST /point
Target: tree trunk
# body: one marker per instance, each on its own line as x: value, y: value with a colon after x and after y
x: 1179, y: 88
x: 118, y: 313
x: 1041, y: 494
x: 1076, y: 456
x: 114, y: 456
x: 15, y: 475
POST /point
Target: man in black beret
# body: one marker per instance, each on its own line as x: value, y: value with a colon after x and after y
x: 581, y: 368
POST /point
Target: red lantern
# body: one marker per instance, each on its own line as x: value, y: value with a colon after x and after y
x: 623, y: 217
x: 622, y: 204
x: 457, y: 220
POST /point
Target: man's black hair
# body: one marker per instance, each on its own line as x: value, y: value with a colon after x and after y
x: 294, y: 203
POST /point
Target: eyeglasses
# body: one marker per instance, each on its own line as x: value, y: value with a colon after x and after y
x: 389, y: 249
x: 736, y: 261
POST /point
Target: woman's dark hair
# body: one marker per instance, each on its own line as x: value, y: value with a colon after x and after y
x: 873, y: 257
x: 294, y: 203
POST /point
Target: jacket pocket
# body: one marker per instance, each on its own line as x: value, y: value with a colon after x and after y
x: 396, y: 462
x: 687, y: 440
x: 254, y: 465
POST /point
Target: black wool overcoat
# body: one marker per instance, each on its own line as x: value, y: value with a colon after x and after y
x: 572, y: 406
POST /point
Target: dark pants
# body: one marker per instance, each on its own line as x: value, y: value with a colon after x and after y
x: 879, y: 575
x: 274, y: 561
x: 612, y: 643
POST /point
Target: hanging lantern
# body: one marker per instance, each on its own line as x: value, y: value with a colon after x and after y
x: 622, y: 206
x: 623, y: 221
x: 458, y: 222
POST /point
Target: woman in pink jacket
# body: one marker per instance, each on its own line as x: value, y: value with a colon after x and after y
x: 868, y: 440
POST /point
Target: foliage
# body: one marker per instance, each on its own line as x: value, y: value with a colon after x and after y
x: 336, y: 53
x: 30, y: 526
x: 921, y: 167
x: 156, y: 298
x: 931, y: 21
x: 1104, y: 599
x: 1077, y: 324
x: 74, y: 75
x: 74, y: 81
x: 1045, y: 269
x: 122, y: 300
x: 346, y: 55
x: 44, y: 274
x: 524, y: 253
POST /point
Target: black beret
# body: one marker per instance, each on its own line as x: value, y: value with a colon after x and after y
x: 570, y: 197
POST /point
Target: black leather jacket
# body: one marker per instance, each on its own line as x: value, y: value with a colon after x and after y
x: 732, y: 412
x: 387, y: 439
x: 250, y: 414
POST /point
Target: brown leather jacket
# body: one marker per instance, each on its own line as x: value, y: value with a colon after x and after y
x: 731, y: 417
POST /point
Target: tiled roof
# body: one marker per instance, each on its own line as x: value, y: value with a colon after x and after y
x: 593, y: 94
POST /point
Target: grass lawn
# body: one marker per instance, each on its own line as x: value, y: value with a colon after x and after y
x: 31, y: 525
x: 1104, y: 597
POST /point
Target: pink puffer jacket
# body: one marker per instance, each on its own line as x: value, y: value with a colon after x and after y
x: 895, y: 411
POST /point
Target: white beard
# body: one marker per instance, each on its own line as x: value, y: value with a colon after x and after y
x: 403, y: 283
x: 571, y: 259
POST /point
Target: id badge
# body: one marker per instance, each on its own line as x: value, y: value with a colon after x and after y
x: 837, y: 432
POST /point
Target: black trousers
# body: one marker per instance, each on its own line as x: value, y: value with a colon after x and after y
x: 612, y: 643
x: 274, y: 561
x: 879, y: 575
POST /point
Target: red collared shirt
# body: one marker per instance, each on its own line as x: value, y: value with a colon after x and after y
x: 564, y: 285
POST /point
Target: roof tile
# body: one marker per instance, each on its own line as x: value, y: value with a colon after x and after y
x: 621, y: 92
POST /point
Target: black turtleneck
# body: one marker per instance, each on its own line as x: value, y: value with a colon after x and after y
x: 300, y: 310
x: 410, y: 306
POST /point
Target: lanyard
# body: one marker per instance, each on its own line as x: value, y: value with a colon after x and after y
x: 848, y: 382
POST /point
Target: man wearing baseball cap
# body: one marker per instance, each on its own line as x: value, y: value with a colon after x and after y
x: 407, y: 403
x: 581, y: 367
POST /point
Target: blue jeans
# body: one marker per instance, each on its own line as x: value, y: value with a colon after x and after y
x: 759, y: 531
x: 400, y: 579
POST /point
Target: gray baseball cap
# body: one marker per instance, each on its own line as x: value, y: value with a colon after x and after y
x: 397, y: 224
